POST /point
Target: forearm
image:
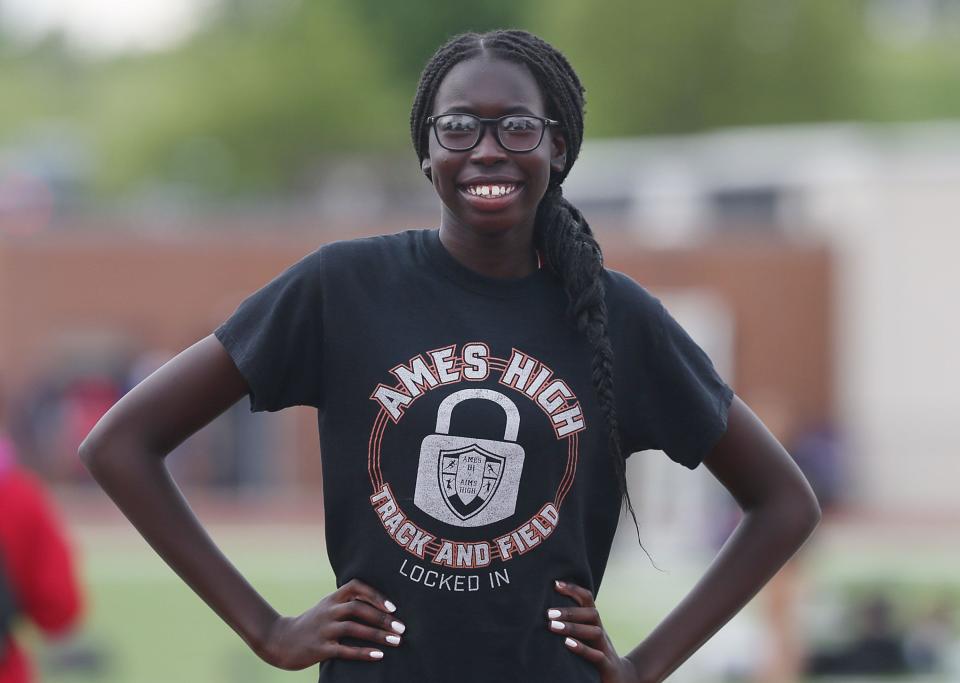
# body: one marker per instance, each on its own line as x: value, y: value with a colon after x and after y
x: 141, y: 486
x: 760, y: 545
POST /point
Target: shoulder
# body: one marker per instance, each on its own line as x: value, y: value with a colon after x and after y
x: 369, y: 252
x: 346, y: 261
x: 628, y: 299
x: 369, y: 263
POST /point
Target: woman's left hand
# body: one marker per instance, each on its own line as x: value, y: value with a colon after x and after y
x: 584, y: 635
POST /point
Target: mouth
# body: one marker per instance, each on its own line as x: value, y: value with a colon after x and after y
x: 490, y: 196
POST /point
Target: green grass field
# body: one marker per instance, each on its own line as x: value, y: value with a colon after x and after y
x: 148, y: 627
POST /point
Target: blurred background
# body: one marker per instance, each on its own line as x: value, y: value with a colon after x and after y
x: 784, y: 175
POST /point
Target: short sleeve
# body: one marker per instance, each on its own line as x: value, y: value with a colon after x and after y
x: 275, y: 338
x: 690, y: 401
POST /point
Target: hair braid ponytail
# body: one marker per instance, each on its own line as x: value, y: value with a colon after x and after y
x: 571, y: 250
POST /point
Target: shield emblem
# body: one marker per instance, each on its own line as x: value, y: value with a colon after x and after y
x: 469, y: 478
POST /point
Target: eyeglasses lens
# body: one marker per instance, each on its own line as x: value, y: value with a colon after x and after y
x: 462, y: 131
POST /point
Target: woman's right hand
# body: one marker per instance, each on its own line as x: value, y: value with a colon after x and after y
x: 355, y: 610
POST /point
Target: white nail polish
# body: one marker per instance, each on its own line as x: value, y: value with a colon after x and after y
x: 398, y: 627
x: 390, y: 606
x: 376, y: 654
x: 570, y: 642
x: 393, y: 640
x: 553, y: 613
x: 556, y: 625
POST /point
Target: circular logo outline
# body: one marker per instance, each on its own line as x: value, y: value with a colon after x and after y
x: 449, y: 552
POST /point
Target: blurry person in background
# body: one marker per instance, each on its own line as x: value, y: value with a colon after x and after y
x: 780, y: 648
x: 818, y: 451
x: 37, y: 579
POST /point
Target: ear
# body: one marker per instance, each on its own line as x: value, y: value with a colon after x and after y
x: 426, y: 168
x: 558, y: 152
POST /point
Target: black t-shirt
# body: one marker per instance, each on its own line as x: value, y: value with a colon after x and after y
x: 465, y: 461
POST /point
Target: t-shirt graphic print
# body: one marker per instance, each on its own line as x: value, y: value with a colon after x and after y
x: 464, y: 480
x: 459, y: 476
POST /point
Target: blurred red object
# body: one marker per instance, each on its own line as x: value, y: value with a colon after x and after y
x: 37, y: 563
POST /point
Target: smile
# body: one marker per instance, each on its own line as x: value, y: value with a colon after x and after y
x: 491, y: 191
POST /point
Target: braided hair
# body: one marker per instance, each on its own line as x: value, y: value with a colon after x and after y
x: 561, y: 233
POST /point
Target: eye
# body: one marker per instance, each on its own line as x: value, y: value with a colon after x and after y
x: 457, y: 123
x: 519, y: 123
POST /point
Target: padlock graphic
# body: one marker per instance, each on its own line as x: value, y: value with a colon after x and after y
x: 467, y: 481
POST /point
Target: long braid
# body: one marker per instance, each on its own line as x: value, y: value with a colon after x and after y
x: 561, y: 232
x: 574, y: 254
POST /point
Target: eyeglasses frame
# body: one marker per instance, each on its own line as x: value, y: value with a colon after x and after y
x: 485, y: 122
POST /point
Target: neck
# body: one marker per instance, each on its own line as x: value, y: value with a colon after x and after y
x: 506, y: 255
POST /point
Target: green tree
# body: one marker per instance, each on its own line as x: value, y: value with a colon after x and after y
x: 254, y: 101
x: 249, y: 104
x: 653, y: 67
x: 412, y: 30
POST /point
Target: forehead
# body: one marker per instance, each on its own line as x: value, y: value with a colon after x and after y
x: 489, y: 86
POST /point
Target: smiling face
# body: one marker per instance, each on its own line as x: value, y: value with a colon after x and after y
x: 490, y: 87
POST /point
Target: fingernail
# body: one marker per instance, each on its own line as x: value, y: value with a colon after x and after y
x: 390, y: 606
x: 398, y: 627
x: 570, y: 642
x: 376, y: 654
x: 393, y: 640
x: 553, y: 613
x: 556, y: 625
x: 560, y: 584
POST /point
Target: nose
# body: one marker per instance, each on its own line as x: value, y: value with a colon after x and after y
x: 488, y: 149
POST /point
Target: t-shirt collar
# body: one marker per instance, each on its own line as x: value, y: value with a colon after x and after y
x: 440, y: 258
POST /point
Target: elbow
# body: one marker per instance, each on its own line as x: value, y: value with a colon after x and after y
x: 109, y: 452
x: 94, y: 454
x: 802, y: 514
x: 816, y: 513
x: 84, y: 452
x: 792, y: 513
x: 101, y: 439
x: 93, y: 451
x: 87, y: 452
x: 107, y: 436
x: 809, y: 506
x: 811, y: 517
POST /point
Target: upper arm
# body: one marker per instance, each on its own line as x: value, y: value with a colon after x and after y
x: 174, y: 402
x: 753, y: 466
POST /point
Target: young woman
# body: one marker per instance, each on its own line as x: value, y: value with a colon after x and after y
x: 479, y: 388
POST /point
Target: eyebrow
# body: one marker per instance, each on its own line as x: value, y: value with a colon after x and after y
x: 466, y: 109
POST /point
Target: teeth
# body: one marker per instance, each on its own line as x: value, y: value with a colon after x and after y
x: 490, y: 190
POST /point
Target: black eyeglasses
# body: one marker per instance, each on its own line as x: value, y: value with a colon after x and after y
x: 515, y: 132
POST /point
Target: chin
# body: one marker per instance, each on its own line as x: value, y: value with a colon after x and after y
x: 489, y: 223
x: 492, y: 225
